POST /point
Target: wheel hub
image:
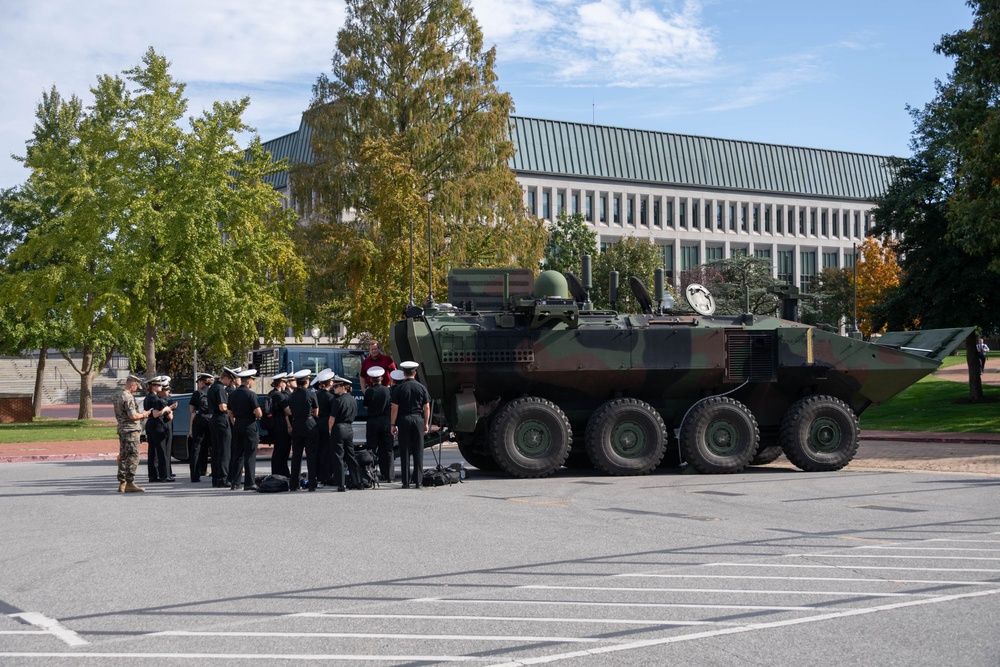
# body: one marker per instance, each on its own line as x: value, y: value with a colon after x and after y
x: 532, y: 438
x: 628, y: 439
x: 825, y: 435
x: 722, y: 438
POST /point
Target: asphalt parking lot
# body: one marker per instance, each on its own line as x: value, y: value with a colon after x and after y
x: 771, y: 566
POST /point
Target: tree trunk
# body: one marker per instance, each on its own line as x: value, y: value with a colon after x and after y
x: 36, y: 401
x: 86, y: 384
x: 972, y: 361
x: 150, y: 350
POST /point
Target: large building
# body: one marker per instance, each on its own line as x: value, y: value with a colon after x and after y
x: 697, y: 198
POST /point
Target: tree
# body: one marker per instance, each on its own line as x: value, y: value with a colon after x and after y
x: 143, y: 227
x: 731, y: 281
x: 570, y: 238
x: 960, y: 128
x: 942, y: 284
x: 411, y: 92
x: 833, y: 299
x: 878, y: 279
x: 629, y: 256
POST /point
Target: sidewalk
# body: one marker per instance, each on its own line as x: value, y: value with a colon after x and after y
x: 892, y: 450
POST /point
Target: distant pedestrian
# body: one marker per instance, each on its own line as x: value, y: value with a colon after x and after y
x: 129, y: 418
x: 981, y: 349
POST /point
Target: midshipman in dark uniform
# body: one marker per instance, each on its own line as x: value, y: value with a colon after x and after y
x: 201, y: 435
x: 301, y: 412
x: 345, y: 409
x: 244, y: 413
x: 378, y: 434
x: 278, y: 428
x: 411, y: 419
x: 218, y: 401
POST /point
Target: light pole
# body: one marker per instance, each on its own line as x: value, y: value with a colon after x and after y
x: 315, y: 334
x: 430, y: 275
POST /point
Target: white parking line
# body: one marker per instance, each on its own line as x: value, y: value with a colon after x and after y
x: 50, y: 626
x: 506, y: 619
x: 894, y: 557
x: 251, y: 656
x: 721, y: 590
x: 745, y: 628
x: 649, y: 605
x: 852, y: 567
x: 877, y: 546
x: 380, y: 635
x: 854, y: 579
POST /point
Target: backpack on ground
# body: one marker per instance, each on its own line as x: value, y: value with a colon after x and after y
x: 273, y: 484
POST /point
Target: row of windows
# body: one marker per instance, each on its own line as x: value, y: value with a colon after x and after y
x: 707, y: 215
x: 784, y: 262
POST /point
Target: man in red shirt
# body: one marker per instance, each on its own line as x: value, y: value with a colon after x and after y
x: 376, y: 358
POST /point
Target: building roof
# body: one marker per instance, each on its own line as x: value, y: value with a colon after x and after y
x: 618, y: 154
x: 578, y: 150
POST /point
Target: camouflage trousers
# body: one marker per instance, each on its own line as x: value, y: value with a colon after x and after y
x: 128, y: 455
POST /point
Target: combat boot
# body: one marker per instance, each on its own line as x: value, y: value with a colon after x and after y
x: 132, y: 487
x: 121, y: 487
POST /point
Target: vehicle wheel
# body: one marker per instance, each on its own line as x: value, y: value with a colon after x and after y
x: 820, y: 434
x: 530, y: 437
x: 475, y: 452
x: 626, y: 437
x: 765, y: 454
x: 719, y: 435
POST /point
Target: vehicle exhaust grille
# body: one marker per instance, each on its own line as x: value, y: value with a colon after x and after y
x: 750, y: 355
x: 487, y: 356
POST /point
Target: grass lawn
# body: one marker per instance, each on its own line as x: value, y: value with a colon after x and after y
x: 936, y: 405
x: 57, y: 430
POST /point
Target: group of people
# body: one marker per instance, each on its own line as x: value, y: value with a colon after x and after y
x: 306, y: 414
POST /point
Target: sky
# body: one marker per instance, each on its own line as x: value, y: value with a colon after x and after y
x: 834, y: 75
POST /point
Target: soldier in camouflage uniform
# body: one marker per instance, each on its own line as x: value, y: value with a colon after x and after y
x: 129, y: 425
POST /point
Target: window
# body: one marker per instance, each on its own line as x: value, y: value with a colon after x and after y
x: 642, y: 212
x: 756, y: 218
x: 812, y: 221
x: 531, y: 203
x: 589, y: 203
x: 560, y: 204
x: 545, y: 205
x: 670, y: 213
x: 682, y: 214
x: 718, y: 216
x: 779, y: 225
x: 737, y: 252
x: 732, y: 217
x: 668, y: 260
x: 656, y: 212
x: 849, y: 260
x: 694, y: 215
x: 822, y: 224
x: 807, y: 268
x: 786, y: 266
x: 764, y: 253
x: 857, y: 225
x: 829, y: 260
x: 802, y: 222
x: 617, y: 210
x: 575, y: 204
x: 714, y: 253
x: 604, y: 208
x: 868, y: 223
x: 630, y: 205
x: 689, y: 257
x: 743, y: 218
x: 767, y: 219
x: 835, y: 223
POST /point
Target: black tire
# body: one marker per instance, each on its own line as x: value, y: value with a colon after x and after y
x: 626, y: 437
x: 530, y: 437
x: 820, y: 434
x: 475, y: 453
x: 766, y: 454
x: 719, y: 435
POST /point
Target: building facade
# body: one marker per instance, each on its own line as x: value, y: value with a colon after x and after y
x: 697, y: 198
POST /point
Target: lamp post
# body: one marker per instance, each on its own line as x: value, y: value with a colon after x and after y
x: 315, y: 334
x: 854, y: 247
x: 430, y: 274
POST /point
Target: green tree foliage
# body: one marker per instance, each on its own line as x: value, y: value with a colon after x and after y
x: 411, y: 93
x: 942, y: 283
x: 629, y: 256
x: 570, y: 238
x: 142, y: 227
x: 729, y: 281
x: 832, y: 299
x: 960, y: 128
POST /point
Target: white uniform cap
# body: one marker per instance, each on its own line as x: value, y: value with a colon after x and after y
x: 375, y: 372
x: 304, y: 373
x: 230, y: 371
x: 341, y: 380
x: 408, y: 365
x: 205, y: 376
x: 279, y: 376
x: 248, y: 373
x: 159, y: 379
x: 397, y: 375
x: 324, y: 376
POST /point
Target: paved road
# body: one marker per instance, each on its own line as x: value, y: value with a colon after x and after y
x: 771, y: 566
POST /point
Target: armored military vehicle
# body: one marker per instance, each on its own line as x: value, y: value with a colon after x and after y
x: 530, y: 377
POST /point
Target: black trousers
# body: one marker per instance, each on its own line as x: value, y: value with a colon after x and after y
x: 282, y: 446
x: 326, y: 461
x: 378, y: 439
x: 307, y: 441
x: 158, y: 455
x: 411, y: 444
x: 244, y: 455
x: 201, y: 442
x: 343, y: 444
x: 221, y: 446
